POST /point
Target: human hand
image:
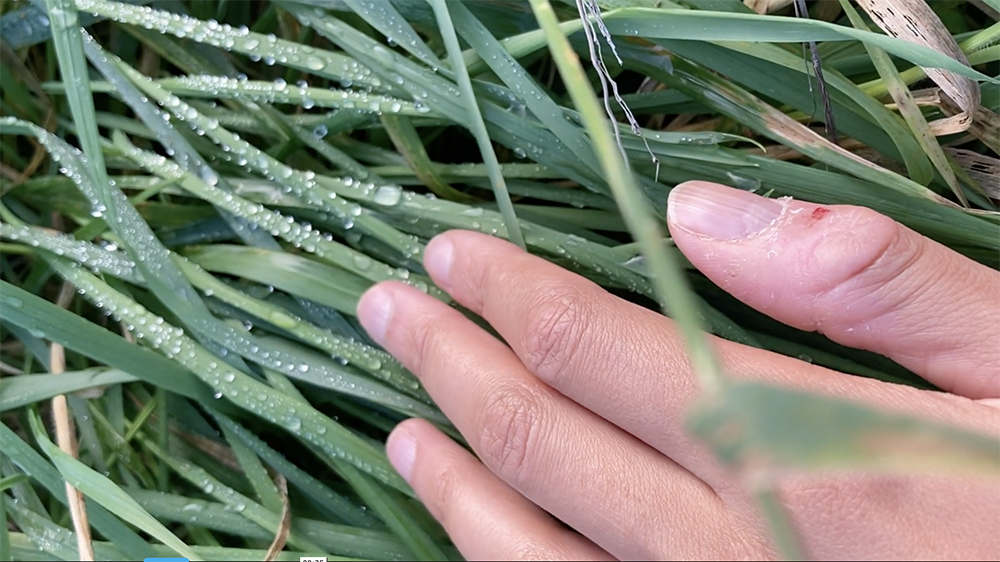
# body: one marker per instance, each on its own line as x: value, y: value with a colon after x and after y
x: 581, y: 417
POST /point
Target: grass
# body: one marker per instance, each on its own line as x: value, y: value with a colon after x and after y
x: 221, y: 181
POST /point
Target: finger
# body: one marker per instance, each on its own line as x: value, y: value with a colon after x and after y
x: 622, y: 361
x: 852, y: 274
x: 485, y: 518
x: 544, y: 445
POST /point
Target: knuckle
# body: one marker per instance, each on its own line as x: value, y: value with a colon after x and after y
x: 532, y: 550
x: 422, y: 342
x: 446, y: 485
x: 509, y: 426
x: 555, y: 326
x: 875, y: 259
x: 881, y: 254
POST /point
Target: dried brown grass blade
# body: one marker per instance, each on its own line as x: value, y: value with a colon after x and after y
x: 985, y: 125
x: 66, y: 438
x: 915, y: 21
x: 985, y: 170
x: 286, y: 521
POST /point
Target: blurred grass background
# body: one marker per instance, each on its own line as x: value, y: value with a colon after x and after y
x: 196, y: 193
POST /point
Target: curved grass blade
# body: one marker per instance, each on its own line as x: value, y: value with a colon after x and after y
x: 231, y: 498
x: 349, y: 541
x: 697, y: 25
x: 754, y: 112
x: 736, y: 60
x: 321, y: 495
x: 74, y: 332
x: 105, y: 492
x: 299, y: 235
x: 28, y: 389
x: 386, y: 504
x: 90, y: 174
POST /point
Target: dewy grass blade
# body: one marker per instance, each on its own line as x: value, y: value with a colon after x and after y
x: 243, y: 343
x: 506, y: 67
x: 91, y: 176
x: 29, y: 461
x: 105, y: 492
x: 475, y: 120
x: 56, y: 541
x: 384, y: 503
x: 240, y: 40
x: 78, y: 334
x: 668, y: 277
x: 384, y: 17
x: 285, y: 227
x: 375, y: 362
x: 325, y: 498
x: 166, y: 135
x: 203, y: 480
x: 243, y: 390
x: 301, y: 183
x: 113, y: 263
x: 344, y: 540
x: 279, y: 91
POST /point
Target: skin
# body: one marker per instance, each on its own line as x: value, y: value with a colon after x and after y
x: 576, y: 415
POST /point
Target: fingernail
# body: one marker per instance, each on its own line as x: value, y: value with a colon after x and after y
x: 717, y: 211
x: 437, y: 260
x: 401, y: 449
x: 374, y: 312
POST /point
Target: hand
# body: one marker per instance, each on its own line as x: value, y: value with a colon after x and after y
x: 580, y: 414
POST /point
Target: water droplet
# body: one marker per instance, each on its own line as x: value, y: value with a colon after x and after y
x: 315, y: 63
x: 387, y: 195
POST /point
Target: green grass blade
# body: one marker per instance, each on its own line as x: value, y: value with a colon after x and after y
x: 304, y: 422
x: 475, y: 120
x: 668, y: 278
x: 76, y: 333
x: 28, y: 389
x: 105, y: 492
x: 331, y: 502
x: 719, y: 26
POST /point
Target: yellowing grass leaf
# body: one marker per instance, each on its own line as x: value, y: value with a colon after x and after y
x: 915, y: 21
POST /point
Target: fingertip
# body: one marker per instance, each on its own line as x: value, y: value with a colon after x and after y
x: 401, y: 448
x: 717, y: 212
x: 374, y: 311
x: 438, y: 258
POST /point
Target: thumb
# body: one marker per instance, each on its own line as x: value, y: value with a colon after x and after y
x: 852, y: 274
